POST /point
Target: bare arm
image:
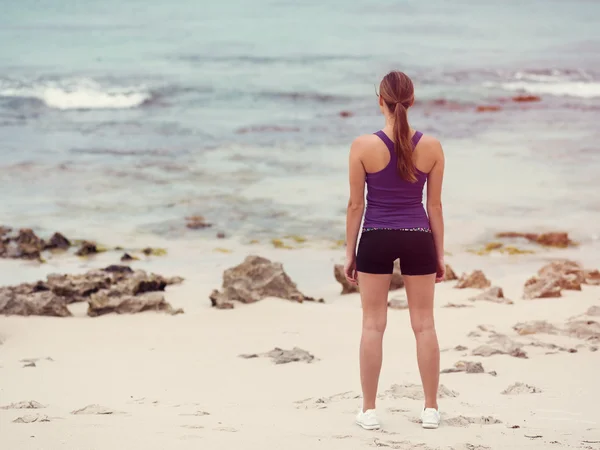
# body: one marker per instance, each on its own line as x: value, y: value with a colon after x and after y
x: 434, y: 202
x: 356, y: 204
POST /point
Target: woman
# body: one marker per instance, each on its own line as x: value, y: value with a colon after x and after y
x: 395, y: 163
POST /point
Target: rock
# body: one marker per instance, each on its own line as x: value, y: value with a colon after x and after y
x: 27, y: 300
x: 457, y: 305
x: 555, y: 239
x: 58, y: 241
x: 280, y: 356
x: 592, y: 277
x: 552, y: 239
x: 127, y: 258
x: 254, y: 279
x: 197, y: 222
x: 52, y: 296
x: 494, y: 294
x: 346, y: 114
x: 594, y: 311
x: 584, y: 329
x: 450, y: 274
x: 570, y: 274
x: 462, y: 421
x: 460, y: 348
x: 526, y: 98
x: 500, y: 344
x: 95, y: 410
x: 77, y: 288
x: 30, y: 418
x: 560, y: 267
x: 521, y: 388
x: 87, y: 248
x: 398, y: 303
x: 30, y: 364
x: 149, y: 251
x: 115, y: 268
x: 31, y: 404
x: 218, y: 302
x: 534, y: 327
x: 465, y: 366
x: 28, y: 245
x: 542, y: 288
x: 221, y: 235
x: 475, y: 280
x: 106, y: 302
x: 488, y: 108
x: 347, y: 287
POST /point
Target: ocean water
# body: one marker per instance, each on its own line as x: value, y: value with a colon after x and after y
x: 122, y: 118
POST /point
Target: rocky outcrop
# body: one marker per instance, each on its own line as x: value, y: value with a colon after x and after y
x: 114, y: 301
x: 542, y: 288
x: 553, y: 239
x: 32, y: 299
x: 281, y: 356
x: 340, y: 277
x: 534, y: 327
x: 474, y: 280
x: 494, y: 294
x: 196, y: 222
x: 58, y: 241
x: 450, y: 274
x: 465, y: 366
x: 348, y: 288
x: 25, y: 244
x: 500, y: 344
x: 557, y: 276
x: 255, y: 279
x: 87, y: 248
x: 521, y: 388
x: 114, y: 288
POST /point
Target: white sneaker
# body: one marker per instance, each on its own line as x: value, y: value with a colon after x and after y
x: 368, y: 419
x: 430, y: 418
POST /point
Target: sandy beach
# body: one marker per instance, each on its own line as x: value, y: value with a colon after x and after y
x: 160, y: 382
x: 193, y: 135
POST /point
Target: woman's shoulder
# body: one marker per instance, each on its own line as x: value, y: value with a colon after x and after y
x: 431, y: 144
x: 363, y: 143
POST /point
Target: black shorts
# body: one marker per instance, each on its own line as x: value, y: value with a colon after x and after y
x: 378, y: 249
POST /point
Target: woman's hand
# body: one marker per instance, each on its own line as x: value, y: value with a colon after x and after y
x: 350, y: 270
x: 441, y: 270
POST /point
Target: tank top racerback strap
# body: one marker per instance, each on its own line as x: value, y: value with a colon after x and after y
x: 390, y: 144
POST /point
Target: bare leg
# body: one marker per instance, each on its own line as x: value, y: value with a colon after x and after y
x: 374, y: 290
x: 420, y: 290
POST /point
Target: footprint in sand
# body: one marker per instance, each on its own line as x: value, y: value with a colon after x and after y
x: 197, y: 414
x: 96, y: 410
x: 415, y: 392
x: 226, y: 429
x: 521, y: 388
x: 142, y: 401
x: 31, y: 404
x: 471, y: 447
x: 322, y: 402
x: 193, y: 427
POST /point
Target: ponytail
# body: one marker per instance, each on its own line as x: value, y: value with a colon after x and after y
x: 403, y: 144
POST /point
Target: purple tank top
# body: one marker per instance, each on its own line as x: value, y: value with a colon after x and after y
x: 391, y: 201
